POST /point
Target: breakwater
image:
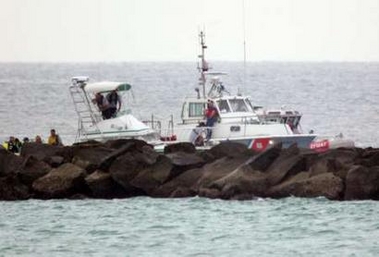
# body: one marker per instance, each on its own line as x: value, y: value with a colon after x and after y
x: 128, y: 168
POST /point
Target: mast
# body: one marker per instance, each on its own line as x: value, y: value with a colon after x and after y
x: 244, y: 46
x: 203, y: 66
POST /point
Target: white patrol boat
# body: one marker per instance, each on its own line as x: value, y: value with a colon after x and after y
x: 238, y: 120
x: 92, y: 126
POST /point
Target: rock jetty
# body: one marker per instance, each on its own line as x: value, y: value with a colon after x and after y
x: 129, y: 168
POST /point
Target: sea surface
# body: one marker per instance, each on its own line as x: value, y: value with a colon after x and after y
x: 333, y: 97
x: 189, y: 227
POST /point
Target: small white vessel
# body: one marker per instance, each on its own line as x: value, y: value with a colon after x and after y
x: 92, y: 126
x: 238, y: 120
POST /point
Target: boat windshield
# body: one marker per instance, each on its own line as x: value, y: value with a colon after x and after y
x: 238, y: 105
x: 223, y: 106
x: 250, y: 106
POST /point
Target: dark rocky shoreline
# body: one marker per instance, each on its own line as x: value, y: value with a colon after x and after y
x: 128, y: 168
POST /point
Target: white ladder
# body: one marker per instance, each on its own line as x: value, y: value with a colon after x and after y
x: 82, y: 104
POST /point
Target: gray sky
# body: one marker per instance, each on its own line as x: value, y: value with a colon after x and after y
x: 166, y: 30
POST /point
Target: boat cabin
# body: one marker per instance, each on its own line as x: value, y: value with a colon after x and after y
x: 193, y: 110
x: 83, y: 93
x: 228, y: 107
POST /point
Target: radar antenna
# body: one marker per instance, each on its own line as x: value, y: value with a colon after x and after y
x: 203, y: 65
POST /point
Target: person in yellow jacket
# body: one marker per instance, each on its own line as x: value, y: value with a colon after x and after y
x: 12, y: 145
x: 5, y: 145
x: 54, y: 139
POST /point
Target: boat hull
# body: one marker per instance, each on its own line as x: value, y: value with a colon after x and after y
x: 121, y: 127
x: 262, y: 143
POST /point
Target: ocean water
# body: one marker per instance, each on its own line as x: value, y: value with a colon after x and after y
x: 189, y: 227
x: 333, y: 97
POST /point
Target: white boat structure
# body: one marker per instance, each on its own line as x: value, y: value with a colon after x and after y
x: 92, y: 126
x: 238, y: 120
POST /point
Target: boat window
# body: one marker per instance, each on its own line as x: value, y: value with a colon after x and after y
x: 296, y: 121
x: 252, y: 108
x: 238, y: 105
x: 196, y: 109
x: 223, y: 106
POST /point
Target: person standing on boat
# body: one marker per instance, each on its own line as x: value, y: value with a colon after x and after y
x: 54, y: 139
x: 103, y: 105
x: 211, y: 118
x: 114, y: 99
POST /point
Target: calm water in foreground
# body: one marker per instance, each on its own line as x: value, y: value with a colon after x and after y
x: 189, y: 227
x: 333, y: 97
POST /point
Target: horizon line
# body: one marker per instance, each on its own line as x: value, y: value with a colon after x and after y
x: 186, y: 61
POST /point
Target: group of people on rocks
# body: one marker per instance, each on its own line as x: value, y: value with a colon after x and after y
x: 14, y: 145
x: 109, y: 105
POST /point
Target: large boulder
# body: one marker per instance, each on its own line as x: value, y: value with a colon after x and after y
x: 264, y: 159
x: 136, y: 144
x: 324, y: 165
x: 284, y: 168
x: 180, y: 147
x: 126, y: 167
x: 344, y: 156
x: 102, y: 185
x: 12, y: 189
x: 9, y: 163
x: 362, y: 183
x: 153, y: 176
x: 43, y: 151
x: 182, y: 192
x: 302, y: 185
x: 143, y: 153
x: 227, y: 149
x: 369, y: 158
x: 197, y: 181
x: 32, y: 169
x: 218, y: 169
x: 61, y: 182
x: 89, y: 157
x: 242, y: 183
x: 146, y: 155
x: 180, y: 186
x: 55, y: 161
x: 182, y: 161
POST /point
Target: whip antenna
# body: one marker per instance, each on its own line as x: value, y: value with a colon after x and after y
x: 244, y: 44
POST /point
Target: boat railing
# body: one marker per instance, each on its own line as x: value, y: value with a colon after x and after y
x: 155, y: 125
